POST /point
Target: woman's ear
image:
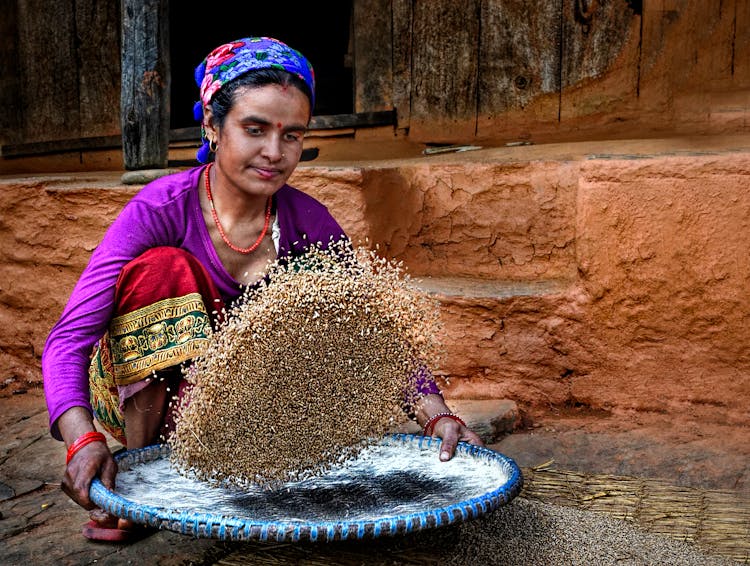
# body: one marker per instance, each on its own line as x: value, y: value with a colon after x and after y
x: 208, y: 123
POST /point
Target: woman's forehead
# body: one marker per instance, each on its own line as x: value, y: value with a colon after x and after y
x: 272, y: 100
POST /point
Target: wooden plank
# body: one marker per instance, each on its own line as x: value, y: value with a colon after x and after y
x: 444, y: 72
x: 520, y: 53
x: 402, y: 52
x: 97, y: 27
x: 144, y: 102
x: 373, y: 69
x: 10, y: 100
x: 49, y: 81
x: 688, y: 57
x: 599, y: 64
x: 519, y: 67
x: 191, y: 134
x: 712, y: 26
x: 323, y: 122
x: 61, y: 146
x: 741, y: 49
x: 594, y: 33
x: 715, y: 90
x: 357, y: 120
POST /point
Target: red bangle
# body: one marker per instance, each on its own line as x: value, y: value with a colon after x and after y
x: 430, y: 424
x: 83, y: 440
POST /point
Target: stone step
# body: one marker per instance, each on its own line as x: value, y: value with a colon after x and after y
x: 475, y: 288
x: 493, y: 328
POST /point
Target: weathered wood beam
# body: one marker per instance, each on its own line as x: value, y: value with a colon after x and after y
x: 357, y: 120
x: 11, y: 116
x: 61, y: 146
x: 445, y: 55
x: 144, y: 102
x: 402, y: 53
x: 330, y: 122
x: 373, y: 55
x: 519, y: 67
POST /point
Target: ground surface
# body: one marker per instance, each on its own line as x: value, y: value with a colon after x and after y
x: 39, y: 525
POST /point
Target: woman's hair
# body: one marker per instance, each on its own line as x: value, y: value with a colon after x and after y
x: 224, y: 99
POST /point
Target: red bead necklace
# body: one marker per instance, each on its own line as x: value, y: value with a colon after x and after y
x: 238, y: 249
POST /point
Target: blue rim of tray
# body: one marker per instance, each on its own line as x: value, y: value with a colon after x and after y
x: 209, y: 525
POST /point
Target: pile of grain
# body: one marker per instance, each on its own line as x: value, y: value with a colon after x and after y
x: 310, y: 367
x: 532, y: 532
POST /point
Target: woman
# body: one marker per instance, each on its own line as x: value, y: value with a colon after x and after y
x: 181, y: 250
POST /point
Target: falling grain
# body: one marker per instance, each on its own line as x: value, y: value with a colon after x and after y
x: 310, y: 367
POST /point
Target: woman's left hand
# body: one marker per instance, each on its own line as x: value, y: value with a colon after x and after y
x: 452, y: 432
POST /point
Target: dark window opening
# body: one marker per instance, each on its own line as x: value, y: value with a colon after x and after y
x: 320, y: 30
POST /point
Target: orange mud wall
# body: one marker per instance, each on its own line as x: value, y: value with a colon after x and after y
x: 611, y: 283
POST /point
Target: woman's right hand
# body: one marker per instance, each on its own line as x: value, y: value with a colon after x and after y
x: 93, y: 460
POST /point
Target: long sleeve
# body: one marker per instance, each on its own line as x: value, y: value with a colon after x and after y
x: 84, y: 320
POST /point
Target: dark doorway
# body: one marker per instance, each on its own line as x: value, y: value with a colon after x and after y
x: 320, y: 30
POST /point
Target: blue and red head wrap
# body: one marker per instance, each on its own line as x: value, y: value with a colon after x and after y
x: 229, y: 61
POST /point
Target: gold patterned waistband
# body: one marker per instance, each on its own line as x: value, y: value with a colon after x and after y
x: 158, y: 336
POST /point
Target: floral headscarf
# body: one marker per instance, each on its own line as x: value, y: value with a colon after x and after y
x: 229, y: 61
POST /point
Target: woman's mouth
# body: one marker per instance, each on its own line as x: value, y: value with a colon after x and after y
x: 266, y: 173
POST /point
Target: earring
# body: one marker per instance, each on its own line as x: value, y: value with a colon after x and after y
x: 212, y: 146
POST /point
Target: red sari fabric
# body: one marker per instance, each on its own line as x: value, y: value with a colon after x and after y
x: 165, y: 306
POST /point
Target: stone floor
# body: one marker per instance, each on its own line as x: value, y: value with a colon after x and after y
x: 39, y: 525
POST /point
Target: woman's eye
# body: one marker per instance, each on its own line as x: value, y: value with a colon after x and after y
x: 293, y: 136
x: 254, y: 130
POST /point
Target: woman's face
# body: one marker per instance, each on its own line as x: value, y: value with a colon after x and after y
x: 260, y: 143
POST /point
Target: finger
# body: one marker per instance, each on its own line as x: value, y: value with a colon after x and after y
x: 71, y: 483
x: 471, y: 437
x: 450, y: 439
x: 109, y: 472
x: 67, y: 485
x: 80, y: 491
x: 447, y: 449
x: 82, y: 484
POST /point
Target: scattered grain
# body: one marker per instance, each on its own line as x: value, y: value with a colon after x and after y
x: 311, y: 366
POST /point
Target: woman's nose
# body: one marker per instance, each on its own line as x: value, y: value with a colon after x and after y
x: 272, y: 149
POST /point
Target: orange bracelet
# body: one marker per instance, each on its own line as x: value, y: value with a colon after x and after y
x: 83, y: 440
x: 430, y: 424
